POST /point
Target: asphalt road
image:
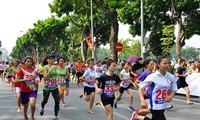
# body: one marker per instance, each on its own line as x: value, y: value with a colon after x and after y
x: 77, y: 109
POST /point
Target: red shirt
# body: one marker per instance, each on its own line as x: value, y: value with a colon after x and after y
x: 22, y: 74
x: 15, y: 76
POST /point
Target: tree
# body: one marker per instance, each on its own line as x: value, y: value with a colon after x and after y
x: 187, y: 15
x: 78, y: 11
x: 155, y: 17
x: 190, y: 53
x: 130, y: 48
x: 48, y: 34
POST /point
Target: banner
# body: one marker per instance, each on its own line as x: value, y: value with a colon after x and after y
x: 89, y: 43
x: 193, y: 81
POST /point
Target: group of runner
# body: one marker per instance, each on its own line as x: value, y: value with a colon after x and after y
x: 156, y: 86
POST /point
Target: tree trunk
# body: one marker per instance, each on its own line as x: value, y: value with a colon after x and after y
x: 113, y: 34
x: 180, y: 40
x: 83, y: 53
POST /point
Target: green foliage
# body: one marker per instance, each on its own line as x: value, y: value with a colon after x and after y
x: 190, y: 53
x: 48, y: 34
x: 130, y: 48
x: 167, y: 39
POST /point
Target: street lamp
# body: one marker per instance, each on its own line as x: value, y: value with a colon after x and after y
x: 92, y: 32
x: 142, y: 30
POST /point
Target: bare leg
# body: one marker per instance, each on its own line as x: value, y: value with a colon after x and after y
x: 32, y: 104
x: 187, y: 94
x: 18, y: 102
x: 92, y: 95
x: 25, y: 111
x: 109, y: 112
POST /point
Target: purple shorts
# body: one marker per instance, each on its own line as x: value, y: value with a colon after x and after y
x: 25, y: 96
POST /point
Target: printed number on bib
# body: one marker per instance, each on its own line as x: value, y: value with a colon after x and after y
x: 162, y: 94
x: 109, y: 90
x: 125, y: 83
x: 51, y: 83
x: 30, y: 82
x: 61, y: 81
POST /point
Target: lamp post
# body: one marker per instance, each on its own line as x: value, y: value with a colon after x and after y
x: 37, y: 53
x: 142, y: 30
x: 92, y: 32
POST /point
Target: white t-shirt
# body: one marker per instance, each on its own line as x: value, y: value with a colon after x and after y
x: 98, y: 70
x: 161, y: 86
x: 125, y: 74
x: 90, y: 75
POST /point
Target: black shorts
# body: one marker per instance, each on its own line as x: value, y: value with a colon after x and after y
x: 88, y: 90
x: 181, y: 84
x: 79, y: 74
x: 121, y: 89
x: 108, y: 101
x: 41, y: 76
x: 1, y: 71
x: 73, y: 72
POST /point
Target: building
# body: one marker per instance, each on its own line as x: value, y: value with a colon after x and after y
x: 5, y: 55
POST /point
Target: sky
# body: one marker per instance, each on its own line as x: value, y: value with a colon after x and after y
x: 17, y: 16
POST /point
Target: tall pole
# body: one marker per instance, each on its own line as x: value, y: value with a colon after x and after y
x: 142, y: 29
x: 92, y: 32
x: 37, y: 54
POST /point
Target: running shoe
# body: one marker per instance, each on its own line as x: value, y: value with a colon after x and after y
x: 168, y: 106
x: 115, y: 105
x: 64, y: 105
x: 134, y: 115
x: 56, y: 118
x: 41, y: 112
x: 131, y: 108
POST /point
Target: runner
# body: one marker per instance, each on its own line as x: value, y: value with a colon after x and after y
x: 28, y: 88
x: 89, y: 78
x: 163, y: 88
x: 80, y: 68
x: 17, y: 86
x: 40, y: 70
x: 149, y: 63
x: 125, y: 85
x: 181, y: 73
x: 63, y: 85
x: 98, y: 69
x: 109, y: 83
x: 50, y: 85
x: 8, y: 74
x: 2, y: 68
x: 137, y: 69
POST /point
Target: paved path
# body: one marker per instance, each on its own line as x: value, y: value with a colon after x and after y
x: 77, y: 108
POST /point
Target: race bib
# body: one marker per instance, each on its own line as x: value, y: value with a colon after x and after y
x: 61, y: 81
x: 109, y: 90
x: 51, y: 82
x: 125, y: 83
x: 30, y: 82
x: 161, y: 95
